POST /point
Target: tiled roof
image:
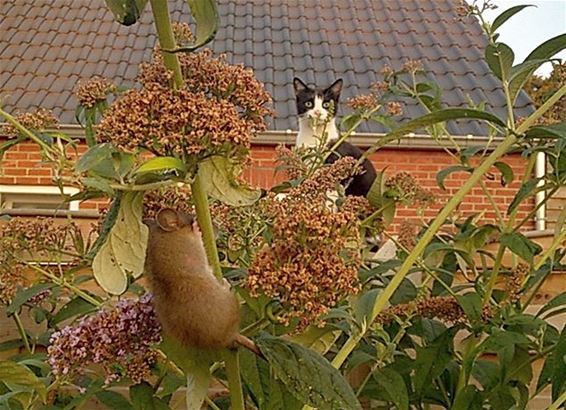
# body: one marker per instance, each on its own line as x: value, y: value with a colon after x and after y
x: 47, y: 45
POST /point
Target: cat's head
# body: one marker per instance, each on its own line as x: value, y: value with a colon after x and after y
x: 317, y: 104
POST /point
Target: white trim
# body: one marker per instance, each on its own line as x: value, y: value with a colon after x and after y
x: 41, y: 190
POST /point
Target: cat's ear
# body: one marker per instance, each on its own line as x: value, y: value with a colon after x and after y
x: 335, y: 89
x: 299, y: 85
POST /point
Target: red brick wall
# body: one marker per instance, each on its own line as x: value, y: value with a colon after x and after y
x: 21, y: 165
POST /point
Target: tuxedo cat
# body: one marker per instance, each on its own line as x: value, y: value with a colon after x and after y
x: 317, y: 111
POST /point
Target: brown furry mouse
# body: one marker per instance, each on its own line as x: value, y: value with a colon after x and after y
x: 191, y: 303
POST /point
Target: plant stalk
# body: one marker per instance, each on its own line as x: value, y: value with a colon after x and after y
x: 166, y: 39
x: 22, y: 332
x: 167, y: 42
x: 205, y: 223
x: 384, y: 297
x: 234, y: 383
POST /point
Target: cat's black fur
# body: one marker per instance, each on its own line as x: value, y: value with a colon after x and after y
x: 360, y: 184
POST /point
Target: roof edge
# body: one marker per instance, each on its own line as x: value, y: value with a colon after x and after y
x: 287, y: 137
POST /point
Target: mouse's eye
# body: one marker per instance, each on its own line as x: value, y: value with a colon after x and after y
x: 308, y: 104
x: 326, y: 104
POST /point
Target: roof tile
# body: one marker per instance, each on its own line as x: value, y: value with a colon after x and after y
x: 45, y: 48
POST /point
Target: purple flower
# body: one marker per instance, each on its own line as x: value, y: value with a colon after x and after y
x: 118, y: 339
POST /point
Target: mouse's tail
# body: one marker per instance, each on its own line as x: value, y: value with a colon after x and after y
x: 248, y: 344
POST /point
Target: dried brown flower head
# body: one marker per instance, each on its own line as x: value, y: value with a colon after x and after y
x: 406, y: 188
x: 182, y: 33
x: 412, y: 66
x: 39, y: 120
x: 312, y: 260
x: 514, y: 282
x: 394, y: 108
x: 408, y: 234
x: 444, y: 308
x: 363, y: 102
x: 176, y: 197
x: 93, y: 91
x: 218, y: 109
x: 291, y: 161
x: 22, y: 240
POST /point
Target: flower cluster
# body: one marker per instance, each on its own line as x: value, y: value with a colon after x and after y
x: 444, y: 308
x: 404, y: 187
x: 22, y: 239
x: 514, y: 283
x: 312, y: 260
x: 216, y: 111
x: 39, y: 120
x: 363, y: 102
x: 92, y: 91
x: 291, y: 161
x: 176, y: 197
x: 182, y: 33
x: 408, y: 234
x: 118, y: 339
x: 412, y: 66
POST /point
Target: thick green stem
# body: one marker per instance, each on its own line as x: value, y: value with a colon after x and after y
x: 234, y: 382
x: 166, y: 39
x: 384, y: 297
x: 556, y: 405
x: 167, y: 42
x: 205, y: 223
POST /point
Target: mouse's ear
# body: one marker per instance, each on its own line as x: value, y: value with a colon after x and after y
x: 168, y: 219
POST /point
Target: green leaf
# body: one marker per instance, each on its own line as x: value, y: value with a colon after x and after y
x: 76, y: 306
x: 319, y: 339
x: 436, y: 117
x: 162, y: 164
x: 506, y: 172
x: 363, y: 306
x: 471, y: 303
x: 107, y: 225
x: 553, y: 130
x: 205, y: 14
x: 24, y: 295
x: 555, y: 302
x: 98, y: 184
x: 441, y: 175
x: 94, y: 157
x: 126, y: 12
x: 307, y: 375
x: 15, y: 374
x: 506, y: 15
x: 206, y: 17
x: 394, y: 385
x: 107, y: 272
x: 558, y: 367
x: 527, y: 189
x: 123, y: 253
x: 142, y: 398
x: 129, y: 235
x: 218, y: 177
x: 520, y: 245
x: 543, y: 52
x: 113, y: 400
x: 195, y: 363
x: 500, y: 59
x: 432, y: 360
x: 468, y: 398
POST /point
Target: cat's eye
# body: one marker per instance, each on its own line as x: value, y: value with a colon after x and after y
x: 308, y: 104
x: 326, y: 104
